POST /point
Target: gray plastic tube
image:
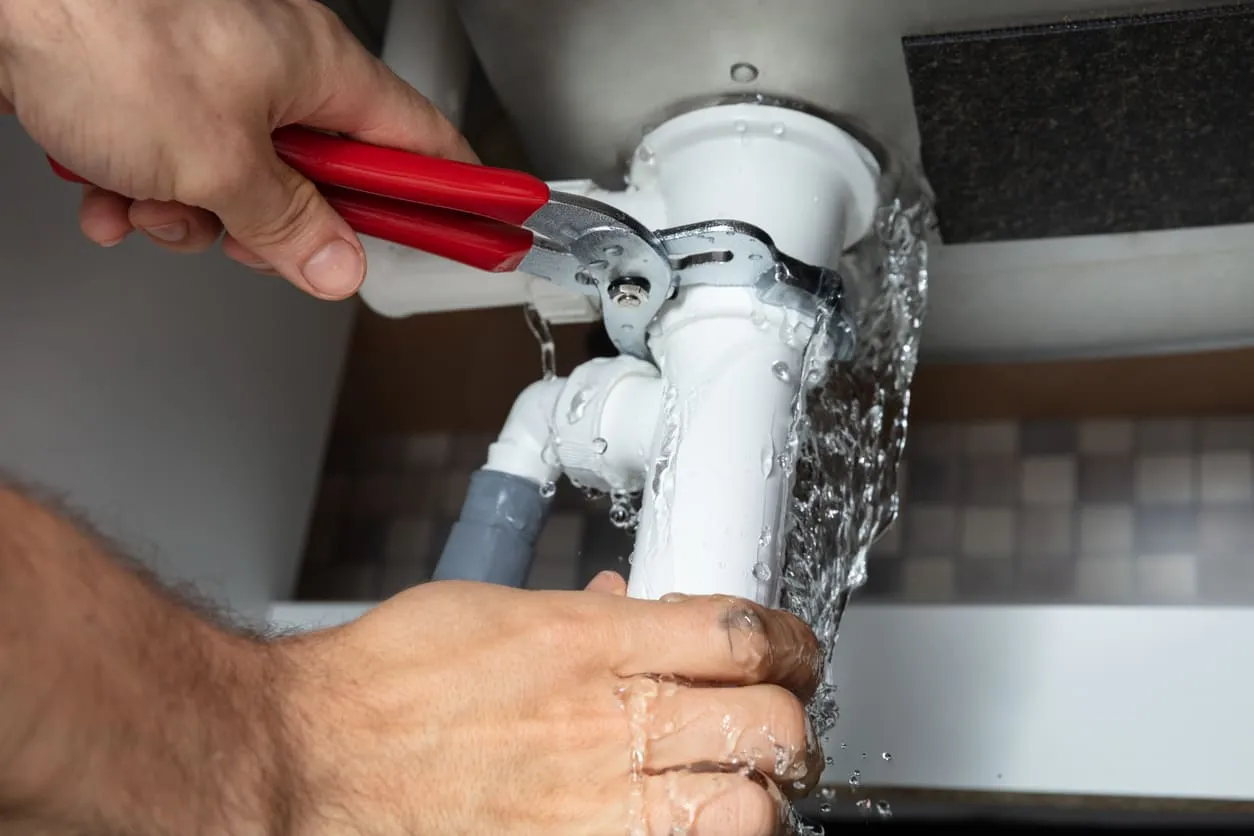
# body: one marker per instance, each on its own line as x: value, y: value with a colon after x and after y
x: 494, y: 539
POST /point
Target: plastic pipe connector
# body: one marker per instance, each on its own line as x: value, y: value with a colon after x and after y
x: 494, y: 539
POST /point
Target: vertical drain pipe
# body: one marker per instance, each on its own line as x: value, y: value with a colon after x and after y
x: 731, y: 364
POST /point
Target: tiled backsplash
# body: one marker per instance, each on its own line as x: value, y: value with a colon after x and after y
x: 1103, y: 512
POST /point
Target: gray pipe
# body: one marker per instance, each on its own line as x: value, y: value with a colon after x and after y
x: 494, y: 539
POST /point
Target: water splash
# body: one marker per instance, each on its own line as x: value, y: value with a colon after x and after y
x: 849, y: 430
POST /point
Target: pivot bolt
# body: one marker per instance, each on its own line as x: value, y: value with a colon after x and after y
x: 629, y: 292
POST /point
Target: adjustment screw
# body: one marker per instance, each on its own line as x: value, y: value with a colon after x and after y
x: 629, y: 292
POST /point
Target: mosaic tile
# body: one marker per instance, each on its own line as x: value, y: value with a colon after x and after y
x: 1164, y: 479
x: 883, y: 578
x: 562, y: 536
x: 1049, y: 480
x: 991, y: 480
x: 931, y: 529
x: 1046, y: 579
x: 427, y: 451
x: 927, y: 579
x: 934, y: 479
x: 985, y: 580
x: 1166, y: 530
x: 988, y: 532
x: 1046, y: 438
x: 453, y: 493
x: 1106, y: 530
x: 1105, y: 579
x: 1164, y: 435
x: 993, y: 438
x: 1226, y: 532
x: 1218, y: 434
x: 1046, y: 532
x: 1226, y: 478
x: 1106, y: 437
x: 937, y: 439
x: 1226, y: 580
x: 410, y: 540
x: 1107, y: 479
x: 1166, y: 579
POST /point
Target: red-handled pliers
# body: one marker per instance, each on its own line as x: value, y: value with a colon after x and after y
x: 489, y: 218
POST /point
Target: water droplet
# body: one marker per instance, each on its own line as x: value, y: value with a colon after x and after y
x: 782, y: 372
x: 844, y: 745
x: 827, y: 793
x: 645, y: 154
x: 761, y: 571
x: 600, y: 445
x: 768, y: 460
x: 740, y: 126
x: 777, y: 129
x: 864, y: 756
x: 578, y: 406
x: 888, y: 756
x: 829, y: 760
x: 863, y: 805
x: 613, y: 251
x: 755, y: 256
x: 743, y: 72
x: 825, y: 808
x: 855, y: 779
x: 548, y: 489
x: 884, y: 809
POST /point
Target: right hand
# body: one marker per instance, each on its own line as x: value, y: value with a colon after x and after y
x: 459, y: 708
x: 169, y: 107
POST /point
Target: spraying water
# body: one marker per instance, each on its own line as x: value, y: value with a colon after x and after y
x: 849, y: 434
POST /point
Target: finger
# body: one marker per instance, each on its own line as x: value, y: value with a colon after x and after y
x: 279, y: 217
x: 710, y: 804
x: 609, y: 583
x: 763, y: 727
x: 102, y: 215
x: 360, y: 96
x: 175, y: 226
x: 718, y: 639
x: 236, y: 251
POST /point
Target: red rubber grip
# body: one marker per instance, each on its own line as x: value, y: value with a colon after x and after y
x: 468, y: 239
x: 503, y: 195
x: 474, y: 241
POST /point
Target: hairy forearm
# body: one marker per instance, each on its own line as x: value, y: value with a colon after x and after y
x: 121, y: 710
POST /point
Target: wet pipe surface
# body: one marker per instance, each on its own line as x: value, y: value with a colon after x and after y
x: 1128, y: 124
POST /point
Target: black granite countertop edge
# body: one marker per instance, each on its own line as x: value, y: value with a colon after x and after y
x: 1237, y: 7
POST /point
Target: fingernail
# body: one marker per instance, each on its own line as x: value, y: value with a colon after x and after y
x: 171, y: 233
x: 336, y: 269
x: 673, y: 598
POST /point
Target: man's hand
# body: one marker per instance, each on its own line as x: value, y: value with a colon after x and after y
x: 452, y: 708
x: 169, y: 106
x: 467, y: 708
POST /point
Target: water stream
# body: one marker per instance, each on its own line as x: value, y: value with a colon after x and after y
x: 848, y: 437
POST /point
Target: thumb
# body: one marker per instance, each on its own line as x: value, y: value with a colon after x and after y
x: 279, y: 219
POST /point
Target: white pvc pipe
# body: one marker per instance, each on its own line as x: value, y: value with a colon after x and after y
x: 711, y: 510
x: 730, y: 364
x: 520, y: 448
x: 807, y: 183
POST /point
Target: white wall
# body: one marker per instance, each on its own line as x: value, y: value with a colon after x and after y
x: 182, y: 402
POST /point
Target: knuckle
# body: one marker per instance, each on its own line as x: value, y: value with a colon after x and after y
x: 747, y: 639
x: 756, y: 813
x: 786, y: 717
x: 291, y: 210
